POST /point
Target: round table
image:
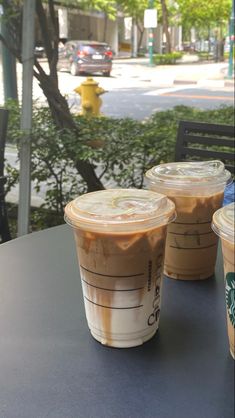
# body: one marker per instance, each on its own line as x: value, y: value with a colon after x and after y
x: 50, y: 366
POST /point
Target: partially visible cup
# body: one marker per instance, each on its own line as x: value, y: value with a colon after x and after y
x: 197, y: 189
x: 223, y: 225
x: 120, y: 239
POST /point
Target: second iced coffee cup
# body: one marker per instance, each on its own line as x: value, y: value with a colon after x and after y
x: 223, y: 225
x: 120, y: 239
x: 197, y: 189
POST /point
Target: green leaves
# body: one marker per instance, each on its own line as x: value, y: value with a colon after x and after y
x: 167, y: 59
x: 120, y: 150
x: 198, y: 13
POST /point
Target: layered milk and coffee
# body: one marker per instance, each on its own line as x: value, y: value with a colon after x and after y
x: 223, y: 225
x: 197, y: 189
x: 120, y: 238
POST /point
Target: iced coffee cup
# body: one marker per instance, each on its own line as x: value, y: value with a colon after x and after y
x: 223, y: 225
x: 197, y: 189
x: 120, y: 239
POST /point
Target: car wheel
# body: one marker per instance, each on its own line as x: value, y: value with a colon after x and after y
x: 106, y: 73
x: 74, y: 69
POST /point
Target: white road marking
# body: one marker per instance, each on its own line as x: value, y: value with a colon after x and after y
x: 159, y: 92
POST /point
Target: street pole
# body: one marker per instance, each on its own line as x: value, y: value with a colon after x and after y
x: 150, y: 38
x: 150, y: 44
x: 26, y: 117
x: 8, y: 63
x: 231, y: 42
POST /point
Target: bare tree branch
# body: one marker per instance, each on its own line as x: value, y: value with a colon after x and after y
x: 55, y: 37
x: 60, y: 112
x: 44, y: 30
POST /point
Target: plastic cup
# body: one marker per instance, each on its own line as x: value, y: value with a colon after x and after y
x: 120, y: 239
x: 197, y: 189
x: 223, y: 225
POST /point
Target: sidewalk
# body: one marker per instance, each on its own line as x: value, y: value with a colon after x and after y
x: 189, y: 71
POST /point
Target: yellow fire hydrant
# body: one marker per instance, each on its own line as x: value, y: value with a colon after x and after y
x: 90, y: 100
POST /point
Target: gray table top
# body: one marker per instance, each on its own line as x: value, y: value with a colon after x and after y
x: 50, y: 366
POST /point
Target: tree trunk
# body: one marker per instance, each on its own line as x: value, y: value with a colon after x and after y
x: 105, y: 26
x: 141, y: 31
x: 49, y: 84
x: 64, y: 120
x: 165, y: 24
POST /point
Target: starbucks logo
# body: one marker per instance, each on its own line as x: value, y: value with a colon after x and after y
x: 230, y: 296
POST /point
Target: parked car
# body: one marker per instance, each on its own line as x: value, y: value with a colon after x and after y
x: 86, y: 57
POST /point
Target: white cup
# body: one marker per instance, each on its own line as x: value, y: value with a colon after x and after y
x: 120, y: 239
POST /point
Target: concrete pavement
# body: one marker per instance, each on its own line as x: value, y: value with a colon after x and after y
x: 188, y: 71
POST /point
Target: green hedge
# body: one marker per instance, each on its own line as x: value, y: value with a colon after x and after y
x: 167, y: 59
x: 121, y: 150
x: 205, y: 55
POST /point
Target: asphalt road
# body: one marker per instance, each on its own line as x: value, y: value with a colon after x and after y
x: 140, y: 103
x: 134, y: 90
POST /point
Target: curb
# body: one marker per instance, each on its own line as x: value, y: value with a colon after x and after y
x: 184, y: 82
x: 205, y: 83
x: 229, y: 83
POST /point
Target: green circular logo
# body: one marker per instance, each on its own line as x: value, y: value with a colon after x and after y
x: 230, y: 296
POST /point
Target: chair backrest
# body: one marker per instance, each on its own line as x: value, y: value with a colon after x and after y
x: 205, y: 141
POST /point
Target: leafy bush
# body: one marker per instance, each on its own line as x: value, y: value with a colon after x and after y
x: 167, y: 59
x: 203, y: 55
x: 121, y: 150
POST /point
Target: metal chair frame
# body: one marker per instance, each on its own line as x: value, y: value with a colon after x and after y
x: 205, y: 134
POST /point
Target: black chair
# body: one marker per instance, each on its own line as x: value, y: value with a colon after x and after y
x: 205, y: 141
x: 4, y: 226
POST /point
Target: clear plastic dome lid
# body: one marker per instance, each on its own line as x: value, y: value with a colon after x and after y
x: 189, y: 174
x: 119, y: 210
x: 223, y: 222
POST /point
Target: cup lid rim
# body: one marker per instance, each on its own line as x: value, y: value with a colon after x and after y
x: 223, y: 222
x: 151, y: 209
x: 189, y: 174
